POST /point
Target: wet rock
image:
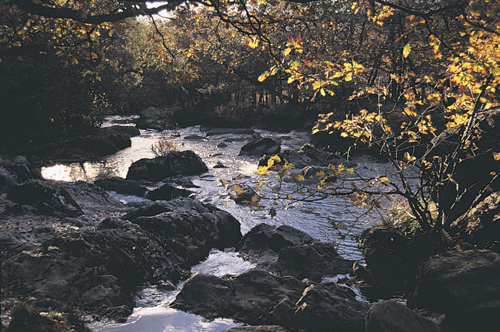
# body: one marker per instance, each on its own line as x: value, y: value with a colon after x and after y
x: 121, y: 186
x: 174, y: 163
x: 464, y: 285
x: 222, y: 145
x: 191, y: 234
x: 311, y: 173
x: 313, y: 261
x: 219, y: 165
x: 186, y: 183
x: 26, y: 319
x: 246, y: 196
x: 152, y: 118
x: 263, y: 237
x: 97, y: 269
x: 391, y: 316
x: 167, y: 193
x: 7, y: 180
x: 385, y: 252
x: 123, y: 130
x: 257, y: 297
x: 14, y: 172
x: 306, y: 155
x: 226, y: 131
x: 45, y: 197
x: 260, y: 147
x: 194, y: 137
x: 98, y: 145
x: 91, y: 198
x: 481, y: 225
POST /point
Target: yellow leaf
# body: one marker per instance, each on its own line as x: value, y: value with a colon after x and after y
x: 263, y: 76
x: 272, y: 160
x: 496, y: 156
x: 259, y: 184
x: 262, y: 171
x: 383, y: 179
x: 406, y: 50
x: 223, y: 182
x: 237, y: 189
x: 350, y: 170
x: 253, y: 43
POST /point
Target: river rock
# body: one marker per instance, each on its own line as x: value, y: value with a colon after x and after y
x: 172, y: 164
x: 226, y: 131
x: 256, y: 297
x: 481, y: 225
x: 388, y: 315
x: 91, y: 198
x: 465, y: 285
x: 98, y: 268
x: 263, y: 237
x: 385, y: 252
x: 124, y: 130
x: 152, y: 118
x: 311, y: 173
x: 98, y: 145
x: 47, y: 198
x: 247, y: 195
x: 202, y: 225
x: 7, y: 180
x: 121, y: 186
x: 15, y: 171
x: 306, y: 155
x: 260, y: 147
x: 167, y: 193
x: 313, y: 261
x: 27, y: 319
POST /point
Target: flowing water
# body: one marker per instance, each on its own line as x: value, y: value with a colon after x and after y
x: 318, y: 219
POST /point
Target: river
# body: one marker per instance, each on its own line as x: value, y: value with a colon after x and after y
x: 318, y: 219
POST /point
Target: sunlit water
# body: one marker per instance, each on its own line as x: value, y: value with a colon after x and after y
x: 315, y: 218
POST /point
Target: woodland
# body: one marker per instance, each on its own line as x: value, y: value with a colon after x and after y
x: 415, y: 82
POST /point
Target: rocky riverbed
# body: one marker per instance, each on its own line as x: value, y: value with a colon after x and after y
x: 73, y: 252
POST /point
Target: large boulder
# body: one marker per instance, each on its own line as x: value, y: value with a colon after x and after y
x: 464, y: 285
x: 122, y: 186
x: 46, y: 197
x: 385, y: 252
x: 201, y: 226
x: 99, y: 145
x: 15, y: 171
x: 260, y: 147
x: 388, y: 315
x: 313, y: 261
x: 172, y: 164
x: 152, y: 118
x: 263, y: 237
x: 481, y: 225
x: 258, y: 298
x: 98, y: 268
x: 392, y: 258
